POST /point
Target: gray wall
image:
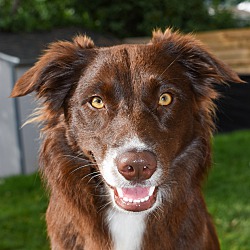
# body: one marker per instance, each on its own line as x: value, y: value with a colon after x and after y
x: 18, y: 145
x: 10, y: 155
x: 29, y: 133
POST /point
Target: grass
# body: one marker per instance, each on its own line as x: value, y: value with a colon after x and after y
x: 228, y: 190
x: 22, y: 211
x: 23, y: 202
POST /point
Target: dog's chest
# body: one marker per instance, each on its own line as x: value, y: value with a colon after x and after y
x: 127, y: 230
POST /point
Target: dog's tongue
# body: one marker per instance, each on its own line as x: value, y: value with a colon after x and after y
x: 135, y: 193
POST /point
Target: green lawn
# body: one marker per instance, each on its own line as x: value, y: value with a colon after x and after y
x: 23, y: 202
x: 228, y: 190
x: 22, y: 212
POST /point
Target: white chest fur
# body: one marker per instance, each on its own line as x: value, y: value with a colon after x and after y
x: 126, y: 229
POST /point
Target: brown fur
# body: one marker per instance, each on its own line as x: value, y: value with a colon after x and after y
x: 128, y: 76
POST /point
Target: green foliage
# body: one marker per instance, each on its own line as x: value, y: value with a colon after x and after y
x: 23, y: 202
x: 30, y: 15
x: 138, y: 18
x: 222, y: 19
x: 121, y: 18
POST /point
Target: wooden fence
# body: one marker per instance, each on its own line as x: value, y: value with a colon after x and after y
x: 232, y: 46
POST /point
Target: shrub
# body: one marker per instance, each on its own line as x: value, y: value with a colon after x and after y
x: 121, y: 18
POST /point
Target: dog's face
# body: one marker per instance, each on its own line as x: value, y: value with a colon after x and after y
x: 142, y: 114
x: 133, y: 110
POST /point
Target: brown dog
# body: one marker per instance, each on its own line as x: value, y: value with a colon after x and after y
x: 126, y: 142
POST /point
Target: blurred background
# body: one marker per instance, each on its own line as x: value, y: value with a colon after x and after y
x: 26, y: 29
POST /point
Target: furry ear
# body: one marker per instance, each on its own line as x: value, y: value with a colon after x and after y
x: 193, y: 55
x: 56, y: 72
x: 202, y: 68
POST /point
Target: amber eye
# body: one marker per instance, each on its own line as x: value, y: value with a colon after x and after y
x: 165, y: 99
x: 97, y: 102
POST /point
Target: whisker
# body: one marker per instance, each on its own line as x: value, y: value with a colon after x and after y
x: 158, y: 213
x: 178, y: 56
x: 111, y: 217
x: 105, y: 205
x: 96, y: 175
x: 77, y: 157
x: 98, y: 184
x: 84, y: 166
x: 101, y: 195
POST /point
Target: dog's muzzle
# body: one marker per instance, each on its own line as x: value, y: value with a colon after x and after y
x: 136, y: 167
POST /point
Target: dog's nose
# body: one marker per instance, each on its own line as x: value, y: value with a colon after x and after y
x: 136, y: 166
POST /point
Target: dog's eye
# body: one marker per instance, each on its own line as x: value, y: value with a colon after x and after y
x: 97, y: 102
x: 165, y: 99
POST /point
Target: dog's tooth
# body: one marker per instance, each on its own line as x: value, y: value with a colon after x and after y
x: 143, y: 200
x: 120, y: 193
x: 151, y: 191
x: 136, y: 201
x: 130, y: 200
x: 146, y: 198
x: 125, y: 199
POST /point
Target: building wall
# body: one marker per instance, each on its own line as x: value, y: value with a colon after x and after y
x: 18, y: 145
x: 29, y: 133
x: 10, y: 154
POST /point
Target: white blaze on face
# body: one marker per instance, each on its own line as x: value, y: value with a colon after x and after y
x: 108, y: 167
x: 126, y: 195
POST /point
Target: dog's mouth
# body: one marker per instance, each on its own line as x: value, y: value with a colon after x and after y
x: 135, y: 199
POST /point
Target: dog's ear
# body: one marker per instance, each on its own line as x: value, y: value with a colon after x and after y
x: 192, y: 54
x: 56, y: 72
x: 200, y: 66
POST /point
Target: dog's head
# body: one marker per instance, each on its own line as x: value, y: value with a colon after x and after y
x: 141, y: 114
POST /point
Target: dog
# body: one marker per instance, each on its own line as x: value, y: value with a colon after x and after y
x: 126, y: 141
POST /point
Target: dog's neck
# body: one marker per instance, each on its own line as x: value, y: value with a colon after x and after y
x: 126, y: 229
